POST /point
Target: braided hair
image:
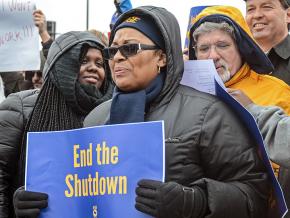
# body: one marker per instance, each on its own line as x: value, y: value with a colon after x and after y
x: 51, y: 112
x: 63, y: 102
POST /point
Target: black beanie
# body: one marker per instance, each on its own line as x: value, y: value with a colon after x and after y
x: 146, y: 26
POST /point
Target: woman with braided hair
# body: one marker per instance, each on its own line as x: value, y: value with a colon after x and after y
x: 76, y: 81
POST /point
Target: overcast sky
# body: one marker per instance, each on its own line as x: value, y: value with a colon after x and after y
x: 71, y: 14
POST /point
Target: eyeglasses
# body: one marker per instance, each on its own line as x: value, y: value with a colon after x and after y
x: 126, y: 50
x: 205, y: 49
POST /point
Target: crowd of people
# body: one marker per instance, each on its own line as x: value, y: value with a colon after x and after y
x: 212, y: 164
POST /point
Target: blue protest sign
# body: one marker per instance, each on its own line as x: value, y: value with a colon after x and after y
x: 194, y: 11
x: 93, y: 172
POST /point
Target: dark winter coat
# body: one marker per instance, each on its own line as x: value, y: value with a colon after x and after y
x: 14, y: 114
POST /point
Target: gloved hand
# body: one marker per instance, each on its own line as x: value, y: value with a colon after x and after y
x: 28, y: 204
x: 170, y: 200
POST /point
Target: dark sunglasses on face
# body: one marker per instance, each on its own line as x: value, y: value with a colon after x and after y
x: 126, y: 50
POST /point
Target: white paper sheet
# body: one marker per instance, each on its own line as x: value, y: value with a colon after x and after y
x: 200, y: 75
x: 19, y: 39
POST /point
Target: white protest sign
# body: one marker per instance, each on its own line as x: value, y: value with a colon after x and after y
x: 19, y: 40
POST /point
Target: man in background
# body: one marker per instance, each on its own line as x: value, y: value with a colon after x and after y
x: 268, y: 21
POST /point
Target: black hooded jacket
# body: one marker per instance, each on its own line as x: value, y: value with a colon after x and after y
x: 15, y: 111
x: 206, y: 144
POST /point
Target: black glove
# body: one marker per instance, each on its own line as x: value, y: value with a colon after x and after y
x: 28, y: 204
x: 170, y: 200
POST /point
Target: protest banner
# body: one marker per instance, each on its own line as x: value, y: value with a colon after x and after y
x: 19, y: 40
x: 93, y: 172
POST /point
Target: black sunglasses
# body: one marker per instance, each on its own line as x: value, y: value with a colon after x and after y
x: 126, y: 50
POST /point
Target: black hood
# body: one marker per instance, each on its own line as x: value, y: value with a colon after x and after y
x: 65, y: 42
x: 170, y: 31
x: 63, y: 66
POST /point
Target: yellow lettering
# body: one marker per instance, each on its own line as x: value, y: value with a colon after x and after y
x: 114, y: 155
x: 78, y: 188
x: 85, y: 191
x: 83, y: 187
x: 102, y: 186
x: 105, y: 154
x: 112, y: 183
x: 76, y: 156
x: 90, y: 180
x: 90, y: 155
x: 96, y: 184
x: 69, y: 193
x: 83, y: 158
x: 98, y: 150
x: 122, y: 184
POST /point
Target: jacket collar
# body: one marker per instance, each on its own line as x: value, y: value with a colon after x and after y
x: 283, y: 48
x: 241, y: 74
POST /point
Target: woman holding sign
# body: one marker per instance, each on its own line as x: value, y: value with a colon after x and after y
x: 212, y: 164
x: 76, y: 80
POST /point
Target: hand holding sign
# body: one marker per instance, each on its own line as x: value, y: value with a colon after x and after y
x: 169, y: 199
x: 28, y: 204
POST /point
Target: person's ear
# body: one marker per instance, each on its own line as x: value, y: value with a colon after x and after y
x: 161, y: 58
x: 288, y: 16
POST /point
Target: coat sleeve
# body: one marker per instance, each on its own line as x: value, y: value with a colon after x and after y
x: 235, y: 181
x: 11, y: 129
x: 274, y: 125
x: 46, y: 47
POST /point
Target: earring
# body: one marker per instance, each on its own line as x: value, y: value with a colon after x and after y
x: 158, y: 69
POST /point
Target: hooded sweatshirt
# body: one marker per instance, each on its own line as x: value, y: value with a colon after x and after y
x: 262, y: 89
x: 206, y: 144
